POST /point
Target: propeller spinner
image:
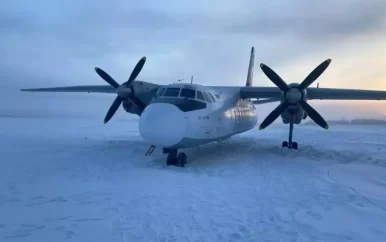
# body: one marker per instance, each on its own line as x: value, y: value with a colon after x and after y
x: 294, y: 95
x: 124, y: 91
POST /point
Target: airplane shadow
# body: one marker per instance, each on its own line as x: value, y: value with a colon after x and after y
x: 236, y: 151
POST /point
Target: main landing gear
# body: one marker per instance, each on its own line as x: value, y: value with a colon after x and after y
x: 174, y: 158
x: 289, y: 143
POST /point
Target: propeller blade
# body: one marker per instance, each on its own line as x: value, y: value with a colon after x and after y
x: 136, y: 71
x: 315, y: 74
x: 313, y: 114
x: 106, y: 77
x: 275, y: 78
x: 273, y: 115
x: 114, y: 107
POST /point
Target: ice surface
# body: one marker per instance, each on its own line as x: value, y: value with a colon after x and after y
x: 80, y: 180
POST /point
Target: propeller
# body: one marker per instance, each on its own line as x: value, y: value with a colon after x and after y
x: 124, y: 91
x: 294, y: 95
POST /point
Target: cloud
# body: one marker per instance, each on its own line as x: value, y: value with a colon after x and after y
x: 47, y: 43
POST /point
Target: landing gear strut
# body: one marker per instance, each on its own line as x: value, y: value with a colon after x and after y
x: 289, y: 143
x: 176, y: 160
x: 165, y: 151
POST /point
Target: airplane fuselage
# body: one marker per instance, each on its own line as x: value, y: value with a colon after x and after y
x: 185, y: 115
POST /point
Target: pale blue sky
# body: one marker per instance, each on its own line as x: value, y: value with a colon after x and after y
x: 56, y: 43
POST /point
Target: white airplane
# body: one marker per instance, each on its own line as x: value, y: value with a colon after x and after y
x: 182, y: 115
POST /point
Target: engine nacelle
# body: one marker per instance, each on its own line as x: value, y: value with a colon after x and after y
x: 293, y: 113
x: 130, y: 107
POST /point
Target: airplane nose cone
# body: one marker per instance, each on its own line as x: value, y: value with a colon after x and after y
x: 162, y: 124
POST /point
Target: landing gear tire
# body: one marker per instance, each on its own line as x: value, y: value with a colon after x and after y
x: 293, y: 145
x: 182, y: 159
x: 170, y: 162
x: 171, y: 158
x: 176, y: 160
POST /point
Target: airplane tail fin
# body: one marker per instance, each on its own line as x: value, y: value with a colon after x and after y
x: 250, y: 68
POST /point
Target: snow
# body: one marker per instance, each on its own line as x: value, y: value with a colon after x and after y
x: 80, y: 180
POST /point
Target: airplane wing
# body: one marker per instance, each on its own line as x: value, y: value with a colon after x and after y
x: 263, y: 101
x: 260, y: 92
x: 89, y: 89
x: 345, y: 94
x: 315, y: 93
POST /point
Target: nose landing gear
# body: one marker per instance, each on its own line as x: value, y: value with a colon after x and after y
x: 174, y: 158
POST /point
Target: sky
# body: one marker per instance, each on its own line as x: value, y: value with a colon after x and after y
x: 57, y: 43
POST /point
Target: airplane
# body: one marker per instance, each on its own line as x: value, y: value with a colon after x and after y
x: 183, y: 115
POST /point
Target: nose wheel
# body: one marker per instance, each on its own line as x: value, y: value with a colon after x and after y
x: 289, y: 143
x: 176, y: 159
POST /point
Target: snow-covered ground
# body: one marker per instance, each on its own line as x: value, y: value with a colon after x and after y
x: 80, y: 180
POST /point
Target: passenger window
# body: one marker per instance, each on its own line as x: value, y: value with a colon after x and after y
x: 188, y: 93
x: 200, y: 96
x: 172, y: 92
x: 211, y: 97
x: 160, y: 92
x: 207, y: 98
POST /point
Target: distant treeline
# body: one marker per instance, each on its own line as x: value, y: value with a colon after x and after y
x: 353, y: 121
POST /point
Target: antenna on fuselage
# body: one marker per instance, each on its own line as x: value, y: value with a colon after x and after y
x: 218, y: 94
x: 179, y: 80
x: 191, y: 80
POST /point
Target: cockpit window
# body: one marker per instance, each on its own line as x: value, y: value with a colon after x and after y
x: 211, y: 97
x: 207, y: 98
x: 200, y: 96
x: 188, y: 93
x: 160, y: 92
x: 172, y: 92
